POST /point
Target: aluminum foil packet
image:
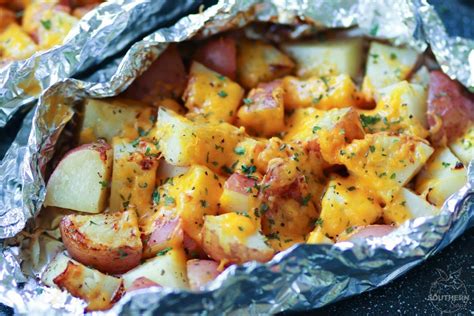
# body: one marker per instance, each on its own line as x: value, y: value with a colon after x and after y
x: 302, y: 277
x: 101, y: 34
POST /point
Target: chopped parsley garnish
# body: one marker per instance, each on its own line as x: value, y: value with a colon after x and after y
x: 367, y: 120
x: 372, y: 148
x: 46, y: 24
x: 319, y: 222
x: 306, y: 199
x: 239, y: 151
x: 248, y: 101
x: 222, y: 94
x: 445, y: 164
x: 316, y: 128
x: 103, y: 184
x: 163, y: 252
x: 156, y: 197
x: 169, y: 200
x: 249, y: 169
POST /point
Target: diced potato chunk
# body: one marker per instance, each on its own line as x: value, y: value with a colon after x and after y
x: 133, y: 174
x: 234, y: 238
x: 326, y: 58
x: 167, y: 269
x: 99, y: 290
x: 107, y: 119
x: 264, y: 112
x: 192, y: 195
x: 442, y: 176
x: 240, y: 194
x: 260, y: 62
x: 401, y: 109
x: 15, y: 43
x: 421, y: 77
x: 212, y: 94
x: 54, y: 28
x: 345, y: 204
x: 407, y: 205
x: 385, y: 162
x: 321, y: 92
x: 386, y: 65
x: 318, y: 237
x: 463, y: 147
x: 185, y: 143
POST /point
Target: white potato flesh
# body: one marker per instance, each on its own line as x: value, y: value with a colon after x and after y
x: 167, y: 269
x: 443, y: 175
x: 80, y: 180
x: 325, y: 58
x: 386, y: 65
x: 463, y: 147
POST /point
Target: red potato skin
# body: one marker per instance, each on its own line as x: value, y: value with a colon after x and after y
x: 142, y: 283
x: 192, y: 248
x: 220, y: 55
x: 450, y: 108
x: 6, y: 18
x: 201, y: 272
x: 239, y: 183
x: 101, y: 257
x: 166, y: 77
x: 264, y: 97
x: 166, y: 230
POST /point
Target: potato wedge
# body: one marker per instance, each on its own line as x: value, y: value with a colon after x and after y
x: 116, y: 117
x: 211, y: 94
x: 326, y: 58
x: 80, y: 180
x: 232, y: 237
x: 168, y: 269
x: 263, y: 112
x: 99, y: 290
x: 386, y: 65
x: 260, y: 62
x: 442, y: 176
x: 108, y: 242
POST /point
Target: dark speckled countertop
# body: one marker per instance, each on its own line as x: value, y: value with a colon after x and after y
x: 409, y: 294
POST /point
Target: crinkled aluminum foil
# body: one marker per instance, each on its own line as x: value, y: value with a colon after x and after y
x: 303, y: 277
x: 101, y: 34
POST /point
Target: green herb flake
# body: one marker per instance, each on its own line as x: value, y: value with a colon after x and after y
x: 367, y: 120
x: 164, y: 251
x: 222, y: 94
x: 169, y: 200
x: 319, y: 222
x: 249, y: 169
x: 445, y: 164
x: 104, y: 184
x: 239, y: 151
x: 372, y: 148
x: 122, y: 253
x: 156, y: 197
x: 306, y: 199
x: 373, y: 31
x: 316, y: 128
x: 46, y: 24
x: 248, y: 101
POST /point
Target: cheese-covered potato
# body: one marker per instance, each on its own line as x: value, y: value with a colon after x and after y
x: 463, y: 147
x: 385, y: 162
x: 134, y: 174
x: 321, y: 92
x: 260, y: 62
x: 345, y: 204
x: 233, y: 237
x: 386, y: 65
x: 15, y: 43
x: 184, y: 142
x: 326, y: 58
x: 211, y: 94
x: 401, y: 109
x: 263, y: 110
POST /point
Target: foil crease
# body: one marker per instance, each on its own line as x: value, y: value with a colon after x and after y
x: 101, y: 34
x: 302, y: 277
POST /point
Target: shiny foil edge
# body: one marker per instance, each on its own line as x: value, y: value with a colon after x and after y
x: 305, y: 276
x: 100, y: 34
